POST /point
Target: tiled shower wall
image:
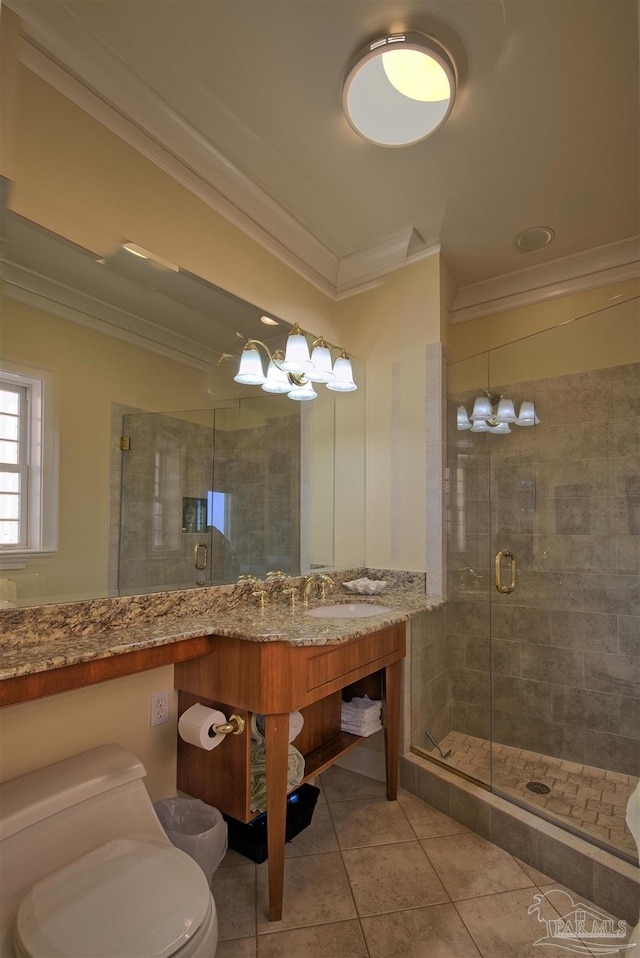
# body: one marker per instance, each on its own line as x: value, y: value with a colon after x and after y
x: 430, y: 678
x: 565, y: 498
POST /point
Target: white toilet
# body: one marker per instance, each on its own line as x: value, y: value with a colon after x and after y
x: 86, y: 870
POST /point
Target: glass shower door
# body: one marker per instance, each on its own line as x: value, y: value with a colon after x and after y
x: 565, y: 650
x: 529, y: 679
x: 165, y: 539
x: 467, y: 612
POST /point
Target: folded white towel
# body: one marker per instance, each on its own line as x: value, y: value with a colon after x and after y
x: 358, y: 719
x: 363, y: 730
x: 362, y: 704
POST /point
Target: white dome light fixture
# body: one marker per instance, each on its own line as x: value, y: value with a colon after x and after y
x: 399, y: 89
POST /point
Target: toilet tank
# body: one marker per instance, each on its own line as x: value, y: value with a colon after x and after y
x: 46, y: 791
x: 53, y: 815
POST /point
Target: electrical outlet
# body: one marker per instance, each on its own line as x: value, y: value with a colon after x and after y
x: 159, y: 708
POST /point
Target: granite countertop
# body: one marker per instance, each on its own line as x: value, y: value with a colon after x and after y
x: 27, y: 649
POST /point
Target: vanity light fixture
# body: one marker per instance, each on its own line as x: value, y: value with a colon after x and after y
x: 399, y: 89
x: 296, y: 370
x: 493, y: 413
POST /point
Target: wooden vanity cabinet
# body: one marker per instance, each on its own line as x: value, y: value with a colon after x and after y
x: 274, y: 679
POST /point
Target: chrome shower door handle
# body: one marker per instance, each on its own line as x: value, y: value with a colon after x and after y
x: 200, y: 555
x: 505, y: 554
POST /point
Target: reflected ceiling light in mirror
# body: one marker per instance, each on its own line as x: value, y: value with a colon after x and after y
x: 294, y: 371
x: 268, y: 321
x: 494, y: 413
x: 399, y: 89
x: 142, y: 253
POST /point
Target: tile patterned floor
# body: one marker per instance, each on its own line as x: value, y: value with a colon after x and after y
x: 590, y: 799
x: 376, y: 879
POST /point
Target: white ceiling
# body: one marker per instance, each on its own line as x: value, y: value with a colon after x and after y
x: 242, y: 98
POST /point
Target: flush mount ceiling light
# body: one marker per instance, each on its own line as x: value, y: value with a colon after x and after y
x: 399, y: 89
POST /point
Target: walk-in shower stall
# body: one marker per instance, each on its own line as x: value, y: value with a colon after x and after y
x: 529, y: 679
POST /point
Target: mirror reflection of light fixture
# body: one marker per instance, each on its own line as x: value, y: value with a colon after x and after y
x: 399, y: 89
x: 494, y: 413
x: 294, y: 371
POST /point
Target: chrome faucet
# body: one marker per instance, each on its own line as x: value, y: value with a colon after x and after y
x: 324, y: 582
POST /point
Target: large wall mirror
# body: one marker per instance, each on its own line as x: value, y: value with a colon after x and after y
x: 161, y: 471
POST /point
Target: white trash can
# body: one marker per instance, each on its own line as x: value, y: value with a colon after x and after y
x: 196, y: 828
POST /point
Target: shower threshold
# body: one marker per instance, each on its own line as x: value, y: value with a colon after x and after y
x: 587, y: 800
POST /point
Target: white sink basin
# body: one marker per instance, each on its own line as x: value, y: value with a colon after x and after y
x: 348, y: 610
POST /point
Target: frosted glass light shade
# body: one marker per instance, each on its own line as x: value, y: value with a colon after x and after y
x: 462, y: 418
x: 506, y: 412
x: 250, y: 372
x: 277, y: 379
x: 322, y: 371
x: 481, y: 408
x: 527, y: 415
x: 399, y: 89
x: 296, y: 357
x: 342, y: 381
x: 480, y: 425
x: 501, y: 428
x: 303, y: 393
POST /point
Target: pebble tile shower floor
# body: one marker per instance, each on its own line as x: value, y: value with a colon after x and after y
x: 591, y: 799
x: 376, y: 879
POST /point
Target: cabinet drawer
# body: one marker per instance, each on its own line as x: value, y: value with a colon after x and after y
x: 351, y: 660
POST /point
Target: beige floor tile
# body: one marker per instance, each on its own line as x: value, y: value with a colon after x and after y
x: 316, y: 891
x: 343, y: 939
x: 433, y: 932
x: 427, y: 821
x: 370, y: 822
x: 468, y: 866
x: 538, y: 878
x: 237, y: 948
x: 343, y: 785
x: 502, y: 927
x: 232, y: 858
x: 234, y: 891
x: 388, y: 878
x: 317, y: 837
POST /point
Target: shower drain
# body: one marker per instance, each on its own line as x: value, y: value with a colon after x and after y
x: 538, y: 787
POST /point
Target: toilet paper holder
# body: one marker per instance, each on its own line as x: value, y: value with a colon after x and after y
x: 235, y: 726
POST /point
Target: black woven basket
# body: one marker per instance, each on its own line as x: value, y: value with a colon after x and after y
x: 250, y: 838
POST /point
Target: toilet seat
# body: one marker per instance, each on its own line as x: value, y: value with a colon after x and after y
x: 124, y: 899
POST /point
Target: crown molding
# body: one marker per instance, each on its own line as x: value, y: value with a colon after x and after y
x: 600, y: 266
x: 364, y: 269
x: 146, y: 123
x: 33, y: 289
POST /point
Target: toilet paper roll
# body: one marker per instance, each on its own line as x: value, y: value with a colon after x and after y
x: 194, y: 726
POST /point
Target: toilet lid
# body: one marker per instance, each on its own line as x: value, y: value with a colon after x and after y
x: 124, y: 899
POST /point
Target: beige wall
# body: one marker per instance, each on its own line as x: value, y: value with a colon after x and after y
x: 497, y: 329
x: 34, y: 734
x: 391, y: 327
